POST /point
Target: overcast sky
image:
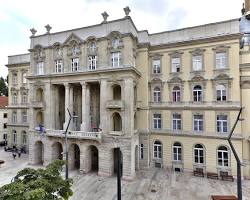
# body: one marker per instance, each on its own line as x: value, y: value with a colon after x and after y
x: 18, y: 16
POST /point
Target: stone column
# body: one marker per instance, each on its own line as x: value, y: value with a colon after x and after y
x: 87, y: 114
x: 84, y: 107
x: 71, y: 91
x: 66, y: 85
x: 103, y: 99
x: 128, y: 121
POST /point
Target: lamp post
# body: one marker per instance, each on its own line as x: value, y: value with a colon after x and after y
x: 239, y: 185
x: 66, y: 145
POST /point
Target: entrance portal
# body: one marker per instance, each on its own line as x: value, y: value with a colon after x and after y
x: 74, y: 157
x: 57, y: 151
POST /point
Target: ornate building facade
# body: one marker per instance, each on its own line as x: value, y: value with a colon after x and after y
x: 167, y: 99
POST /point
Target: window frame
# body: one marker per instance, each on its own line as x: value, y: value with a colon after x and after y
x: 222, y: 157
x: 195, y: 63
x: 116, y: 59
x: 156, y: 66
x: 59, y: 66
x: 40, y: 68
x: 220, y: 123
x: 174, y: 68
x: 176, y: 94
x: 157, y: 121
x: 141, y: 151
x: 157, y: 149
x: 197, y: 93
x: 198, y: 155
x: 221, y: 97
x: 177, y: 155
x: 92, y: 62
x: 157, y: 94
x: 176, y: 122
x: 75, y: 64
x: 200, y: 123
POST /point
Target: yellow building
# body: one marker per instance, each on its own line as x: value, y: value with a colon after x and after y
x: 167, y: 99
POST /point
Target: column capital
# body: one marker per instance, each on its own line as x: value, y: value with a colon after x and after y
x: 83, y: 83
x: 66, y: 85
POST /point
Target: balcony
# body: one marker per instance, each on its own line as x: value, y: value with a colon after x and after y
x: 38, y: 104
x: 114, y: 104
x: 76, y: 134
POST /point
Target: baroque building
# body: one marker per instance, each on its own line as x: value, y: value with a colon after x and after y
x: 167, y: 100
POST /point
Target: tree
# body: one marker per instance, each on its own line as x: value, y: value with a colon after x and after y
x: 40, y: 184
x: 3, y: 87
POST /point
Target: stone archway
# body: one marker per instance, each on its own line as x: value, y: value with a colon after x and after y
x: 39, y: 153
x: 74, y: 157
x: 57, y: 151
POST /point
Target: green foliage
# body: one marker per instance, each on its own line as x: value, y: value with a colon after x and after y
x: 40, y: 184
x: 3, y: 87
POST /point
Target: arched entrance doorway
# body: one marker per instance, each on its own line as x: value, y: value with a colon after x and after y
x: 57, y: 151
x: 94, y: 158
x: 115, y: 156
x: 39, y: 153
x: 74, y: 157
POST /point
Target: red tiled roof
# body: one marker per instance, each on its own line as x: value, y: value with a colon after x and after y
x: 3, y: 101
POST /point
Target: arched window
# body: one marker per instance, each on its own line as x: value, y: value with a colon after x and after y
x: 199, y: 154
x: 221, y: 94
x: 177, y: 151
x: 117, y: 122
x: 157, y: 150
x: 39, y: 118
x: 14, y: 136
x: 223, y: 156
x: 176, y: 94
x: 24, y: 138
x: 14, y: 99
x: 24, y: 98
x: 92, y: 46
x: 157, y: 94
x: 117, y: 92
x: 197, y: 93
x: 115, y: 43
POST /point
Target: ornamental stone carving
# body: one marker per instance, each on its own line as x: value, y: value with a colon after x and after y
x: 105, y: 17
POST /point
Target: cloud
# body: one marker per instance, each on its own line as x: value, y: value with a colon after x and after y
x: 17, y: 17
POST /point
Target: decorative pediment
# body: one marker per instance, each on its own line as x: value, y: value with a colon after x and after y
x: 197, y: 51
x: 57, y: 50
x: 221, y: 48
x: 222, y: 77
x: 175, y: 80
x: 156, y: 80
x: 114, y: 34
x: 91, y: 38
x: 39, y: 83
x: 198, y: 78
x: 73, y: 39
x: 23, y: 89
x: 13, y: 89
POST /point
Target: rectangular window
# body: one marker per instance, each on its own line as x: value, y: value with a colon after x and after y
x: 14, y: 118
x: 141, y: 151
x: 176, y: 64
x: 74, y: 64
x: 24, y: 117
x: 197, y: 63
x: 199, y: 155
x: 24, y: 98
x: 5, y: 125
x: 24, y: 77
x: 176, y: 121
x: 24, y: 138
x: 157, y: 121
x: 156, y: 66
x: 14, y: 138
x: 14, y: 79
x: 14, y: 99
x: 40, y: 68
x: 5, y: 115
x: 177, y: 153
x: 92, y: 62
x: 198, y: 122
x: 221, y: 60
x: 5, y: 136
x: 116, y: 59
x: 58, y: 66
x: 222, y: 123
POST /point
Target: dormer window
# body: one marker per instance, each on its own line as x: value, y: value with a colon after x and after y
x: 74, y: 64
x: 92, y: 46
x: 115, y: 43
x: 75, y: 50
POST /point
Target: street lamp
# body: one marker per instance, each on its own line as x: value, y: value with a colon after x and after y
x: 239, y: 185
x: 66, y: 145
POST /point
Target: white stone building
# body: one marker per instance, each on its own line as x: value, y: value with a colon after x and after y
x: 3, y: 118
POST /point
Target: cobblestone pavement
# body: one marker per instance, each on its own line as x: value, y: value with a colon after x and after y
x: 149, y: 185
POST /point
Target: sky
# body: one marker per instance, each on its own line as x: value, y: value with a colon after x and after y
x: 17, y: 17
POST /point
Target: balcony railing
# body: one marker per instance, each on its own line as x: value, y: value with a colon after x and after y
x: 76, y: 134
x: 115, y: 104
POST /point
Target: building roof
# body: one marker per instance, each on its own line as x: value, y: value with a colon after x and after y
x: 3, y: 101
